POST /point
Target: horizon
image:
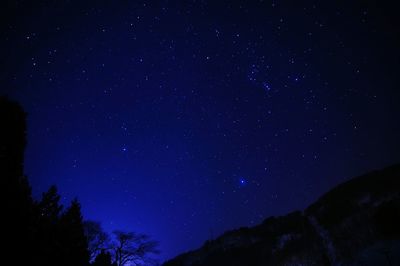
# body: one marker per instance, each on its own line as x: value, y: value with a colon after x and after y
x: 183, y: 121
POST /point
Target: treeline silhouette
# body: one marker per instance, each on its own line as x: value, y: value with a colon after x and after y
x: 44, y: 232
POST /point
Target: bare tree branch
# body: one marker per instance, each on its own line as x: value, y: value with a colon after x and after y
x: 133, y: 247
x: 98, y: 240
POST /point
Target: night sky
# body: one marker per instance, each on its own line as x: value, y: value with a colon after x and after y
x: 185, y: 119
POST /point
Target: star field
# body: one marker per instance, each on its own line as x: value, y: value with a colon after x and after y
x: 185, y: 119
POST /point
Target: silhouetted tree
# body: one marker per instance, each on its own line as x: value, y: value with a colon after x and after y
x: 73, y: 241
x: 97, y: 239
x: 59, y: 236
x: 47, y: 235
x: 49, y: 206
x: 41, y: 233
x: 133, y: 248
x: 15, y: 191
x: 12, y: 140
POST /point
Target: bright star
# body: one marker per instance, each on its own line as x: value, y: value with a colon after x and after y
x: 242, y: 182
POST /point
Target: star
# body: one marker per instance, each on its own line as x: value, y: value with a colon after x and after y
x: 242, y: 182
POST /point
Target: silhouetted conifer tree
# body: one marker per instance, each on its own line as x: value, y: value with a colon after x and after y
x: 50, y: 207
x: 47, y: 236
x: 73, y: 241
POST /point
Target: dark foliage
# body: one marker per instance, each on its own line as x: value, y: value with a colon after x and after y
x: 103, y: 259
x: 98, y: 240
x: 44, y: 233
x: 75, y: 251
x: 36, y: 233
x: 16, y: 193
x: 130, y: 247
x: 123, y: 247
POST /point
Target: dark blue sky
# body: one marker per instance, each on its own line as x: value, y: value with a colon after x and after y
x: 185, y: 119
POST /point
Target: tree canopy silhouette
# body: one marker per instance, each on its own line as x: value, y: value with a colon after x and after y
x: 133, y: 247
x: 44, y: 232
x: 103, y: 259
x: 97, y: 239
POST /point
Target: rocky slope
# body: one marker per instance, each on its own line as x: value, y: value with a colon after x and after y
x: 356, y: 223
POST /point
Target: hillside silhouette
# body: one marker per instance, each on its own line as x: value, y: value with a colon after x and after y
x: 356, y: 223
